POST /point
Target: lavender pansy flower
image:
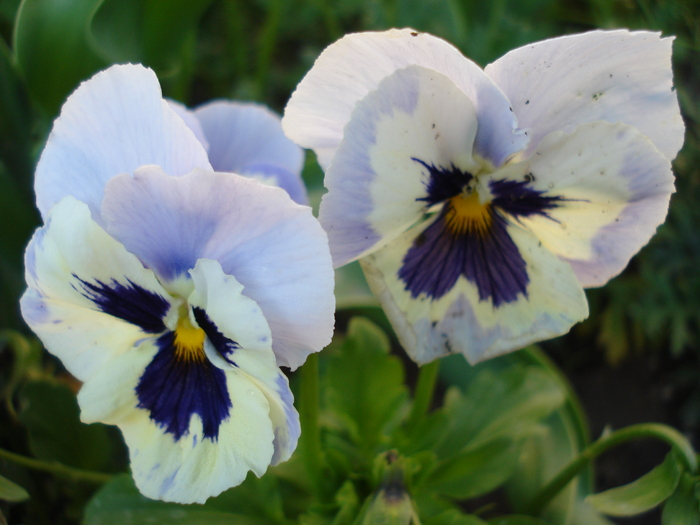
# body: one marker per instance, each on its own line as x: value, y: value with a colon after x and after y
x: 481, y: 202
x: 173, y: 291
x: 247, y: 139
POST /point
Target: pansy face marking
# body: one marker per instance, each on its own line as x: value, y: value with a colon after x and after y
x: 480, y: 203
x: 469, y: 238
x: 180, y: 381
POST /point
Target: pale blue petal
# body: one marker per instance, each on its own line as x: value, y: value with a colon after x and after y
x: 272, y: 246
x: 189, y: 118
x: 273, y: 175
x: 416, y: 117
x: 112, y: 124
x: 348, y: 70
x: 245, y: 138
x: 615, y: 76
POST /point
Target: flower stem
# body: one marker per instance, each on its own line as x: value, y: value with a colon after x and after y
x: 56, y: 468
x: 646, y: 430
x: 308, y: 414
x: 425, y: 389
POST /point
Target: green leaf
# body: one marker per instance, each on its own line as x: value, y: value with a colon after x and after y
x: 26, y: 355
x: 52, y: 48
x: 120, y: 502
x: 548, y: 445
x: 348, y: 504
x: 475, y: 472
x: 258, y: 497
x: 641, y: 495
x: 454, y: 517
x: 682, y: 507
x: 363, y: 384
x: 510, y: 403
x: 425, y: 435
x: 517, y: 520
x: 52, y: 417
x: 10, y: 491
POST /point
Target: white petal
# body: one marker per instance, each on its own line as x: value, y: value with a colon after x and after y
x: 415, y: 117
x: 194, y: 467
x: 616, y: 76
x: 275, y: 248
x: 112, y: 124
x: 239, y: 319
x: 616, y: 188
x: 459, y: 321
x: 348, y: 70
x: 84, y: 328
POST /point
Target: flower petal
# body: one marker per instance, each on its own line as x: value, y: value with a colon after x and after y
x: 112, y: 124
x: 237, y: 332
x: 194, y: 467
x: 196, y: 426
x: 416, y: 118
x: 348, y: 70
x: 272, y: 175
x: 219, y: 305
x: 616, y: 76
x: 243, y: 134
x: 272, y: 246
x: 248, y: 140
x: 613, y: 188
x: 464, y: 318
x: 88, y: 298
x: 191, y: 120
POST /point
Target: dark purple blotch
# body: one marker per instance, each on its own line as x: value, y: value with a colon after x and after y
x: 129, y: 302
x: 443, y: 183
x: 490, y: 260
x: 173, y: 388
x: 518, y: 199
x: 225, y: 346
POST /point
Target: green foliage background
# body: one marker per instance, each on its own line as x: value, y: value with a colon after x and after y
x: 259, y: 50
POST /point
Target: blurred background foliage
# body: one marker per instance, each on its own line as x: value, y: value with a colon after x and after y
x: 259, y: 50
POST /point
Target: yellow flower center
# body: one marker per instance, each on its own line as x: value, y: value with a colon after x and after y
x: 465, y: 214
x: 189, y: 341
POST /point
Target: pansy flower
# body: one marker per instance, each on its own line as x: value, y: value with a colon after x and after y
x: 174, y: 292
x: 247, y: 139
x: 481, y: 202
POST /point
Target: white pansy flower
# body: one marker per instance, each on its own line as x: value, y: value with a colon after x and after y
x: 481, y: 202
x: 173, y: 291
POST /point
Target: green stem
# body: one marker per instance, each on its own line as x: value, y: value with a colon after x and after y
x: 646, y: 430
x: 425, y: 389
x: 308, y: 414
x: 56, y: 468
